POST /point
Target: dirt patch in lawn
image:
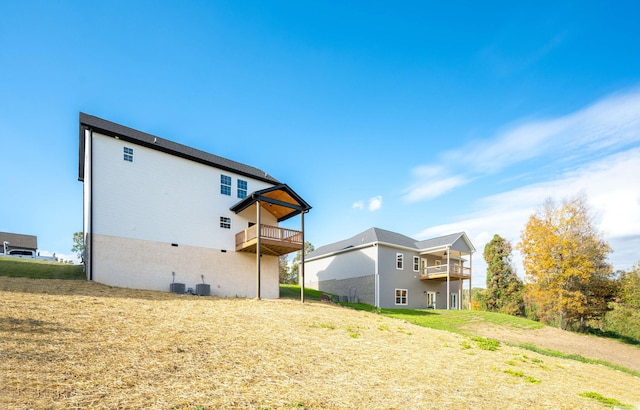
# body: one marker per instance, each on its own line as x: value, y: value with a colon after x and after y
x: 563, y: 341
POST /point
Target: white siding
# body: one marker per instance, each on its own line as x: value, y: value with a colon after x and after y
x: 345, y: 265
x: 163, y: 198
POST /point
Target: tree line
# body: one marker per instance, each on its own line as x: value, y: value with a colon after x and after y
x: 568, y: 282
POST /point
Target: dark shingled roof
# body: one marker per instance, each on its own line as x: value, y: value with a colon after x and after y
x: 151, y: 141
x: 17, y: 240
x: 377, y: 235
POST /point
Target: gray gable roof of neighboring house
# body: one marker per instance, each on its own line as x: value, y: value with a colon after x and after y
x: 377, y: 235
x: 17, y: 240
x: 442, y: 241
x: 151, y: 141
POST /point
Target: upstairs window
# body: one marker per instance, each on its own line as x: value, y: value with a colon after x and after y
x: 242, y: 189
x: 399, y: 260
x: 225, y: 185
x: 128, y: 154
x: 225, y: 222
x: 416, y: 263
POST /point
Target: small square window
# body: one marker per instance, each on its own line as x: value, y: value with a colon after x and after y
x: 128, y: 154
x: 401, y: 296
x: 242, y: 189
x: 225, y: 185
x: 225, y: 222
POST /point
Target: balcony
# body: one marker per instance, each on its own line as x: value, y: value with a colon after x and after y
x: 440, y: 272
x: 274, y: 241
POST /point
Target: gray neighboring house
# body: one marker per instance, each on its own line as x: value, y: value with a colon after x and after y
x: 19, y: 245
x: 390, y: 270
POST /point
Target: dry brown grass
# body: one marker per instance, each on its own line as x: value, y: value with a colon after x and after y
x: 75, y: 344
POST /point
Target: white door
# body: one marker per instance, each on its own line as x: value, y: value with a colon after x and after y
x: 453, y: 304
x: 431, y: 300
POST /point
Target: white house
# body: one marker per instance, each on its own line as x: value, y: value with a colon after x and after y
x: 390, y: 270
x: 157, y: 212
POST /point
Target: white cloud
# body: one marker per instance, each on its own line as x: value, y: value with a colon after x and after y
x: 375, y: 203
x: 594, y: 132
x: 610, y: 184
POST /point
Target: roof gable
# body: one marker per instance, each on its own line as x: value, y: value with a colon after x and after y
x: 457, y: 241
x: 280, y: 201
x: 151, y: 141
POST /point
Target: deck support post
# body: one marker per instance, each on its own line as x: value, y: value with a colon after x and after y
x: 302, y: 259
x: 470, y: 280
x: 448, y: 279
x: 258, y: 251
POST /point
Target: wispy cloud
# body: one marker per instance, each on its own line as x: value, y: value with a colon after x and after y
x: 374, y: 204
x: 607, y: 126
x: 611, y: 188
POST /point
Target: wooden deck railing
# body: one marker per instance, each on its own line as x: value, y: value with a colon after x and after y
x: 269, y: 232
x: 440, y: 270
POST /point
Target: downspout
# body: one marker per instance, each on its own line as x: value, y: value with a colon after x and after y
x: 90, y: 141
x: 376, y: 279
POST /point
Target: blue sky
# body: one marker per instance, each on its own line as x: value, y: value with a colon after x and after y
x: 423, y: 118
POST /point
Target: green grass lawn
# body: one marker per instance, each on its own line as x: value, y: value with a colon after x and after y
x: 450, y: 320
x: 293, y: 292
x: 29, y: 268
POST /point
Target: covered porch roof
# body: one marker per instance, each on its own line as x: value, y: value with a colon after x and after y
x: 279, y: 200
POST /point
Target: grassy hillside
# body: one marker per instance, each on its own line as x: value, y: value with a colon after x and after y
x: 78, y: 344
x: 29, y: 268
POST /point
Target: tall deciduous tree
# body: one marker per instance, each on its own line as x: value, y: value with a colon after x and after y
x: 295, y: 268
x: 78, y: 245
x: 624, y: 316
x: 565, y: 261
x: 504, y: 287
x: 284, y: 269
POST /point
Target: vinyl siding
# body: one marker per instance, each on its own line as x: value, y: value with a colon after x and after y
x: 163, y: 198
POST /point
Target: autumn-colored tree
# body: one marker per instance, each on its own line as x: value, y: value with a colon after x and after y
x: 565, y: 261
x: 504, y: 287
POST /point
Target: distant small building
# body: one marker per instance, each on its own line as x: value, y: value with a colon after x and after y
x: 18, y: 244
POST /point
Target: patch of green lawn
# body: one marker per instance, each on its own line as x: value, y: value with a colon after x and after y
x: 29, y: 268
x: 293, y: 292
x: 450, y: 320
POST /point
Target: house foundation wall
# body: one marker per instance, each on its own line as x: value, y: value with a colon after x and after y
x: 141, y: 264
x: 362, y: 288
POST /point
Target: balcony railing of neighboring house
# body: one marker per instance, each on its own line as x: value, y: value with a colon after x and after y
x: 441, y: 271
x: 273, y: 240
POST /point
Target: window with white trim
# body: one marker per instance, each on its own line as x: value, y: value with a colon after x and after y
x: 402, y: 296
x: 242, y: 189
x: 128, y: 154
x: 438, y: 264
x: 399, y: 260
x: 416, y: 264
x: 225, y: 222
x: 225, y: 185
